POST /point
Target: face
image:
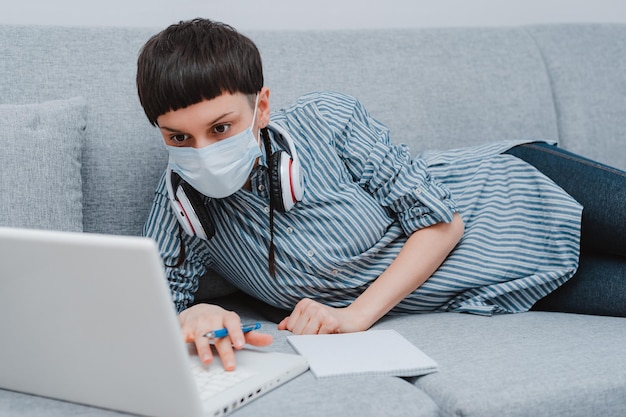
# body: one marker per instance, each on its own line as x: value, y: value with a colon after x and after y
x: 210, y: 121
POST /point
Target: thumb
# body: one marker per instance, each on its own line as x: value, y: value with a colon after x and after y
x: 259, y: 339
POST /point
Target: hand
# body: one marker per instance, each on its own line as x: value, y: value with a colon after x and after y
x: 311, y: 317
x: 200, y: 319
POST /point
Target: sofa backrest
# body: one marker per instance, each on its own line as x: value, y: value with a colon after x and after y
x: 435, y: 89
x: 587, y: 69
x: 122, y: 156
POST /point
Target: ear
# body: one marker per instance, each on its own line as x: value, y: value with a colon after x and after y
x: 263, y: 110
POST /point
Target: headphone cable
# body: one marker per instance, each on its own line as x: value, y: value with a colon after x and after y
x: 268, y: 151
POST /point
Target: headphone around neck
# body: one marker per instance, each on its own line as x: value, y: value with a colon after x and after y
x: 286, y: 190
x: 285, y: 172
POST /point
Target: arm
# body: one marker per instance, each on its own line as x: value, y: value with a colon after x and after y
x: 162, y: 226
x: 424, y: 251
x: 424, y: 209
x: 195, y: 321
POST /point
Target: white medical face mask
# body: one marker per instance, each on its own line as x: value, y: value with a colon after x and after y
x: 220, y: 169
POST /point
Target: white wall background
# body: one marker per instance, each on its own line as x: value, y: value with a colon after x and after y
x: 312, y: 14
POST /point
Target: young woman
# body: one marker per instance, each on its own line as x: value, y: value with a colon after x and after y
x: 312, y: 208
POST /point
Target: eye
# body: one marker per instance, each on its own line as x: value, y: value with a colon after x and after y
x: 221, y: 128
x: 179, y: 138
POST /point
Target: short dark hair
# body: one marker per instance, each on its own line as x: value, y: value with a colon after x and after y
x: 192, y: 61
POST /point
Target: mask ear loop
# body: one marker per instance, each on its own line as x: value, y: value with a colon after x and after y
x: 271, y: 257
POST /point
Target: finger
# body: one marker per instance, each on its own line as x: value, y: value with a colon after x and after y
x: 259, y: 339
x: 329, y: 322
x: 305, y: 325
x: 203, y: 346
x: 313, y: 326
x: 232, y: 323
x: 225, y: 351
x: 329, y: 327
x: 283, y: 324
x: 187, y: 330
x: 188, y: 336
x: 311, y: 319
x: 295, y: 319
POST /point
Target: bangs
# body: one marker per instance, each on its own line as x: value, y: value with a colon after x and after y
x: 176, y: 70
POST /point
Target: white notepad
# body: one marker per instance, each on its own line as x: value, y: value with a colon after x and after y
x: 373, y: 352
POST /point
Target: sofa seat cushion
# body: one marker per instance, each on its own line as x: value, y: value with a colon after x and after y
x: 40, y: 184
x: 303, y: 396
x: 343, y: 396
x: 528, y: 364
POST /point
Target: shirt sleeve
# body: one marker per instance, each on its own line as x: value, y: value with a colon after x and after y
x: 389, y: 173
x: 162, y: 226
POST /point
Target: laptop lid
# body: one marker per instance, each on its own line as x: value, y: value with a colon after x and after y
x: 88, y: 318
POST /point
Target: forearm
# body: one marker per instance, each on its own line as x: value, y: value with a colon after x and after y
x: 424, y: 251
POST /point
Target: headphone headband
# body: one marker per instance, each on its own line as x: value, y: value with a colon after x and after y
x: 283, y: 134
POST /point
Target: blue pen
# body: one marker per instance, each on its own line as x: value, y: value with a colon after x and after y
x: 216, y: 334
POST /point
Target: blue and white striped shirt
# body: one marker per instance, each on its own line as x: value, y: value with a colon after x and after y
x: 363, y: 196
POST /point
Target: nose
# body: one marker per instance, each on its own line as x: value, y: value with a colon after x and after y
x: 201, y: 142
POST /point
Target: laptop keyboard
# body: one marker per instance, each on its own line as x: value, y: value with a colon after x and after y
x: 213, y: 380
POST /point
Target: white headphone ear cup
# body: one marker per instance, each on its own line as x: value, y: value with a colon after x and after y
x: 172, y: 181
x: 297, y: 182
x: 285, y: 189
x: 188, y: 207
x: 191, y: 223
x: 179, y: 211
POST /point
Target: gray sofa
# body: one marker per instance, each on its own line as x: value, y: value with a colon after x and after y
x: 99, y: 160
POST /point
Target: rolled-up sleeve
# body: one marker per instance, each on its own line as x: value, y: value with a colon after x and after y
x: 387, y: 171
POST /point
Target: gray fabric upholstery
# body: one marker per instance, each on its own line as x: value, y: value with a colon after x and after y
x: 586, y: 66
x: 383, y: 396
x: 15, y: 404
x: 530, y: 364
x: 373, y: 396
x: 40, y: 182
x: 122, y: 157
x: 435, y: 89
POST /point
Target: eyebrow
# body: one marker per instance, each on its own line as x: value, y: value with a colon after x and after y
x: 171, y: 130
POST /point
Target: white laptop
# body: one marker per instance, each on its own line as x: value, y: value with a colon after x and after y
x: 88, y: 318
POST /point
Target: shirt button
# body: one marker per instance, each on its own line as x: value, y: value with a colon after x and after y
x: 310, y: 252
x: 290, y: 230
x: 261, y: 187
x: 418, y: 190
x: 334, y: 272
x: 266, y: 209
